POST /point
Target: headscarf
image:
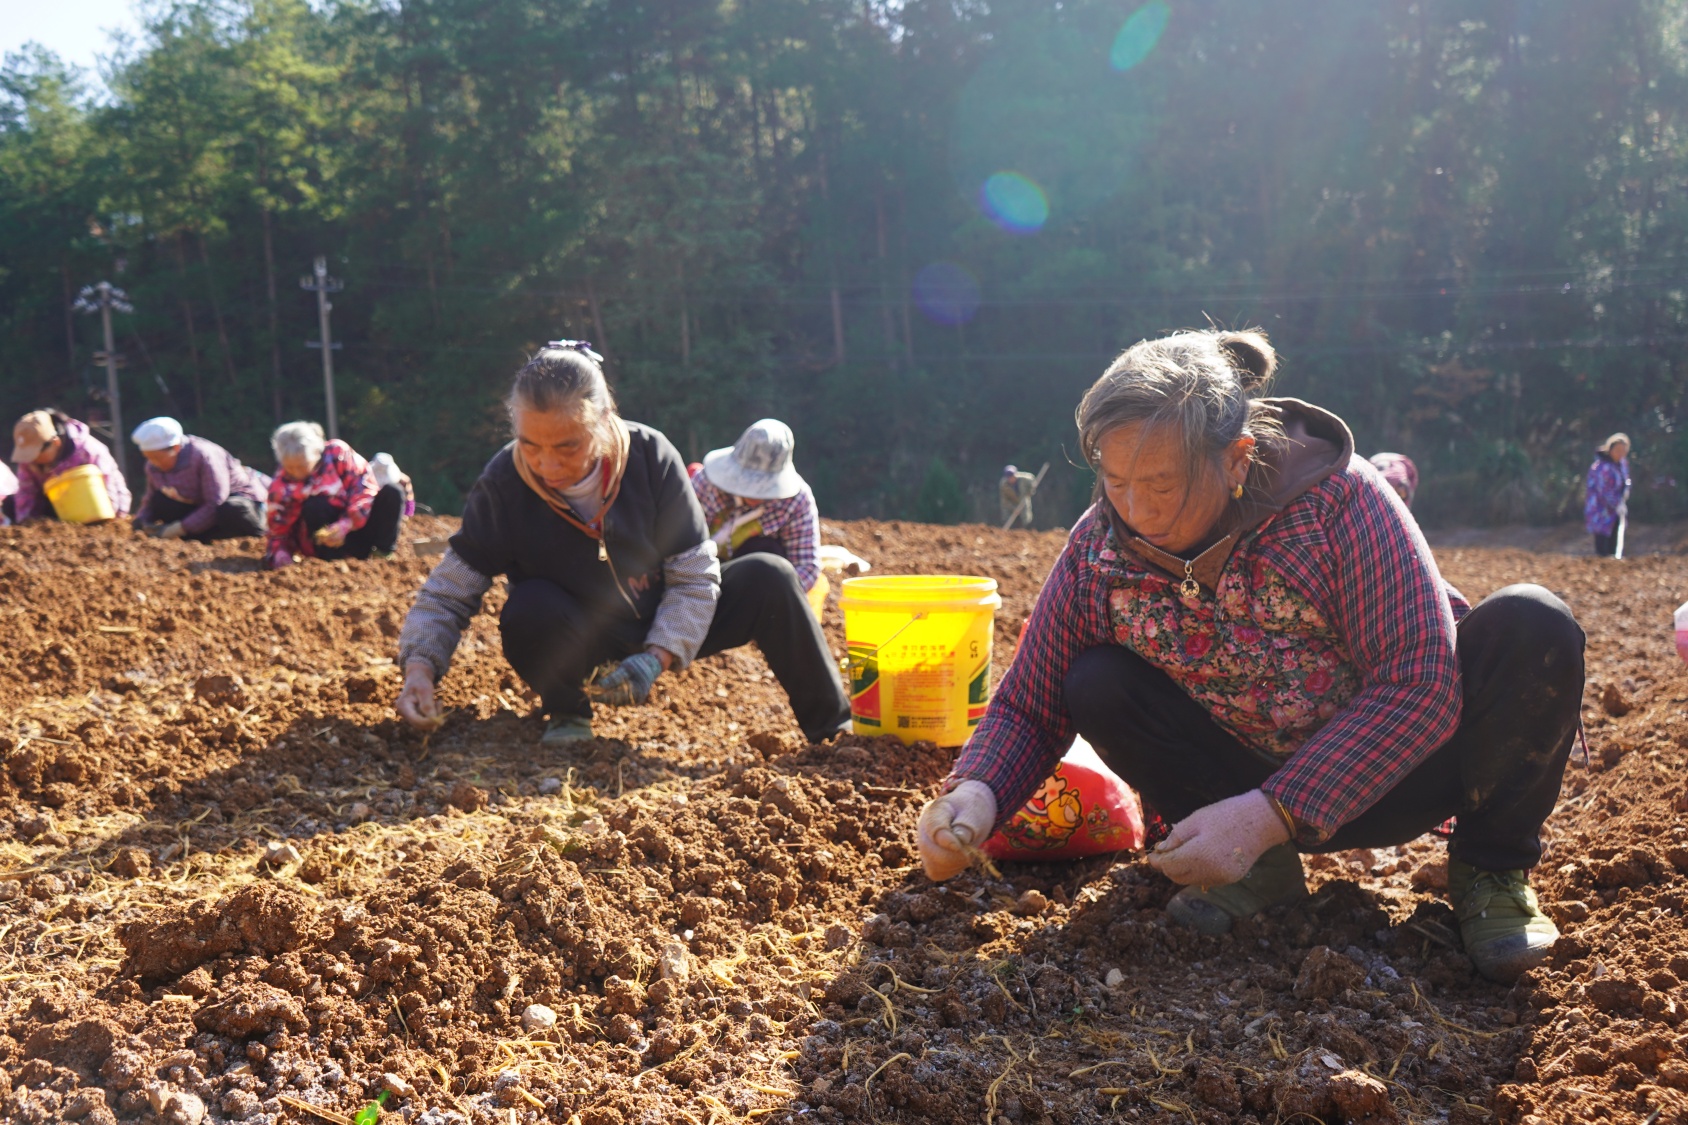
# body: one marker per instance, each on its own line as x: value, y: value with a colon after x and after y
x: 1399, y: 472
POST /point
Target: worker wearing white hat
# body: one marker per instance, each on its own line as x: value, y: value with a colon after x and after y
x: 196, y: 489
x: 755, y: 500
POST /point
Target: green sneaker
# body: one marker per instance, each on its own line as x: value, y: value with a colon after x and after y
x: 1276, y: 879
x: 565, y: 729
x: 1500, y: 922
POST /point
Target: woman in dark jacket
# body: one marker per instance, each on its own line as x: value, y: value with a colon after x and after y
x: 608, y: 557
x: 1255, y: 636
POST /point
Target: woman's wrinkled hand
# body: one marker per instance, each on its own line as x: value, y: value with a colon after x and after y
x: 953, y: 823
x: 333, y: 534
x: 1218, y: 843
x: 416, y: 704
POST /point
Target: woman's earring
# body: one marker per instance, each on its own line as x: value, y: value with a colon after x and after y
x: 1237, y: 492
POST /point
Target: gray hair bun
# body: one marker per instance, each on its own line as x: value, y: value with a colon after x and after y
x: 1253, y: 357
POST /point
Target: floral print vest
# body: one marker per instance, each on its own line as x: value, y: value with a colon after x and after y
x: 1257, y: 654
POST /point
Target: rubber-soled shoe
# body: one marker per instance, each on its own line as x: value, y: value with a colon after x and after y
x: 565, y: 729
x: 1276, y: 879
x: 1500, y: 921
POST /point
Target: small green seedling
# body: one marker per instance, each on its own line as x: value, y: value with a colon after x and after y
x: 371, y: 1113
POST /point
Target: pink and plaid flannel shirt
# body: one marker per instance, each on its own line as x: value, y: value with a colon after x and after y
x: 794, y: 521
x: 1349, y: 549
x: 342, y: 475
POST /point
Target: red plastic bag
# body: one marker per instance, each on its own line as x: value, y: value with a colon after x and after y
x: 1082, y: 809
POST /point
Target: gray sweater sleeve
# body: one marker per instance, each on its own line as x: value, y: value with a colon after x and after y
x: 444, y: 606
x: 692, y: 586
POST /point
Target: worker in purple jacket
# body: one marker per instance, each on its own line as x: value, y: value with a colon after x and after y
x: 46, y: 444
x: 196, y: 489
x: 1252, y: 632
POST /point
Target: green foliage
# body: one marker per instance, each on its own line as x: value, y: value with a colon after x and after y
x: 1459, y: 221
x: 941, y: 499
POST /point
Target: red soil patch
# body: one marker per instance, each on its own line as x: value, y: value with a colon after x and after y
x: 227, y: 873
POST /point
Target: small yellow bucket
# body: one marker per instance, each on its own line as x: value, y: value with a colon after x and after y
x: 79, y: 495
x: 919, y: 647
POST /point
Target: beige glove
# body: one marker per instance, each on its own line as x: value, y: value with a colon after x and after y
x: 1218, y: 843
x: 950, y: 824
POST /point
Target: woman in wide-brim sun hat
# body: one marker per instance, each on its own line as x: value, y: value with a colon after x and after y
x: 755, y: 501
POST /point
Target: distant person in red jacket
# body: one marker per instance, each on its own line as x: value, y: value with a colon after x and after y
x: 325, y: 501
x: 1399, y: 473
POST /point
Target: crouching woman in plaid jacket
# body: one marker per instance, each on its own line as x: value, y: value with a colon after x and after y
x: 1251, y: 630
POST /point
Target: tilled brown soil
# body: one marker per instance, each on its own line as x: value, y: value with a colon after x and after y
x: 232, y: 885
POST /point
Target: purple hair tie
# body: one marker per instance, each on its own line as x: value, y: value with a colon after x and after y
x: 580, y: 346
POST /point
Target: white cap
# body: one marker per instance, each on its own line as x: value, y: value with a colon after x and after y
x: 157, y: 433
x: 758, y: 466
x: 386, y: 469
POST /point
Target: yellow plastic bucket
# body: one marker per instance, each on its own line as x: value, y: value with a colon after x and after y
x: 919, y: 654
x: 79, y: 495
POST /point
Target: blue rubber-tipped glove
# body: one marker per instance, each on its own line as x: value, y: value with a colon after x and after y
x: 629, y: 683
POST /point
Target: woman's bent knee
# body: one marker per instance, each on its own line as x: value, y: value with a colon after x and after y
x: 1530, y: 617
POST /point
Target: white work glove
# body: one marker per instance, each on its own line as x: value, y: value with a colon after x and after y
x: 416, y: 704
x: 1218, y: 843
x: 958, y: 820
x: 172, y: 531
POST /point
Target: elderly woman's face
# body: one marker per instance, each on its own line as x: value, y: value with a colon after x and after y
x: 296, y: 466
x: 557, y: 446
x: 1144, y: 476
x: 163, y: 459
x: 1619, y: 450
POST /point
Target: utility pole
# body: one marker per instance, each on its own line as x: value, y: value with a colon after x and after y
x: 320, y: 283
x: 102, y: 299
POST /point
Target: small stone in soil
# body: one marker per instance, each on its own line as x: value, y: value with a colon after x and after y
x: 279, y: 853
x: 837, y: 936
x: 674, y: 963
x: 1031, y: 903
x: 1114, y: 979
x: 537, y: 1017
x: 550, y: 786
x: 397, y: 1086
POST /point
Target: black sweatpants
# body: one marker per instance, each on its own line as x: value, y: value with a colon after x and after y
x: 1521, y: 665
x: 554, y: 642
x: 379, y: 533
x: 238, y: 517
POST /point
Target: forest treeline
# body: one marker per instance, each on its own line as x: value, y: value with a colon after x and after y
x: 915, y: 231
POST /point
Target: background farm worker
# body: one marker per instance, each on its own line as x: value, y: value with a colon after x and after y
x: 46, y: 443
x: 1608, y: 493
x: 196, y: 489
x: 1399, y: 473
x: 754, y: 500
x: 1256, y: 638
x: 8, y: 487
x: 1017, y: 487
x: 325, y: 502
x: 609, y: 559
x: 387, y: 472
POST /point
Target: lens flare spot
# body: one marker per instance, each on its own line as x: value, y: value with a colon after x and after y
x: 947, y: 293
x: 1137, y: 39
x: 1015, y: 202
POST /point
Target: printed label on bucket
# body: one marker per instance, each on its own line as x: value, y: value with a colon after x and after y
x: 863, y: 666
x: 978, y: 693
